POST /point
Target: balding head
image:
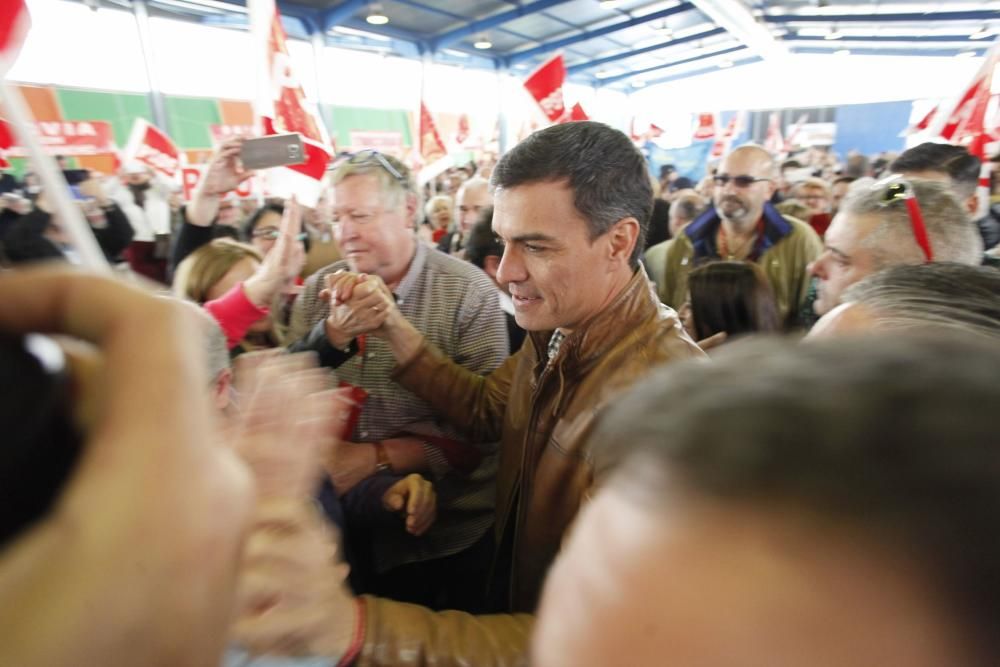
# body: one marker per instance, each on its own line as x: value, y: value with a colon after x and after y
x: 741, y: 207
x: 470, y: 201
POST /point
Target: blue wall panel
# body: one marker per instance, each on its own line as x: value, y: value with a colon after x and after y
x: 872, y: 128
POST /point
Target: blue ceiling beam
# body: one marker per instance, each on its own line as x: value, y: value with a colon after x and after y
x: 921, y: 17
x: 877, y: 39
x: 521, y: 56
x: 474, y: 27
x: 638, y: 52
x: 337, y: 15
x: 621, y: 77
x: 700, y: 72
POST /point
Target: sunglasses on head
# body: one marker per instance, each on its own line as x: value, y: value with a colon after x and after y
x: 897, y: 189
x: 738, y: 181
x: 366, y: 157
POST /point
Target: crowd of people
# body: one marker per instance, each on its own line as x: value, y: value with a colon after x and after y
x: 545, y: 410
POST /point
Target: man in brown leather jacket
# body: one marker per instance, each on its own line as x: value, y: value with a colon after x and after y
x: 571, y: 207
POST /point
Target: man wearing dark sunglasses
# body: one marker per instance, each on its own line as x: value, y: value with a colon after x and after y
x: 894, y: 221
x: 742, y: 225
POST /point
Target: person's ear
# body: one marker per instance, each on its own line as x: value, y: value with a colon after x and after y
x: 621, y: 239
x: 490, y: 265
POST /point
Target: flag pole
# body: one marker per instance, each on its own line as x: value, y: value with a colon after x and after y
x: 55, y: 187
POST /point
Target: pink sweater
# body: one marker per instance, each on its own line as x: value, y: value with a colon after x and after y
x: 235, y: 313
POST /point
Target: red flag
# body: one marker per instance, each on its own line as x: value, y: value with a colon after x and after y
x: 721, y: 145
x: 655, y: 131
x: 545, y: 85
x: 14, y: 24
x: 431, y: 146
x: 773, y: 142
x: 577, y: 113
x: 793, y: 132
x: 706, y: 126
x: 6, y: 141
x: 152, y: 147
x: 463, y: 129
x: 282, y: 107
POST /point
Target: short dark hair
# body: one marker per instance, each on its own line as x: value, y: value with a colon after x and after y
x: 844, y: 179
x: 942, y: 296
x: 734, y: 297
x: 607, y: 173
x: 255, y: 218
x: 895, y: 436
x: 482, y: 242
x: 955, y: 161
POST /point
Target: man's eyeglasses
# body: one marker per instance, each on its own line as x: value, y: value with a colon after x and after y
x: 273, y: 234
x: 738, y: 181
x: 366, y: 157
x: 896, y: 188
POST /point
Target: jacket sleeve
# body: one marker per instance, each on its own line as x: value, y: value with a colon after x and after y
x: 407, y: 635
x: 235, y: 313
x: 118, y: 233
x: 473, y: 403
x: 189, y: 238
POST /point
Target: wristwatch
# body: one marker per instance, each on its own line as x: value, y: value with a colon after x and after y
x: 382, y: 463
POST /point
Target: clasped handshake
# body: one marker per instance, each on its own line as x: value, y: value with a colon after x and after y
x: 360, y: 304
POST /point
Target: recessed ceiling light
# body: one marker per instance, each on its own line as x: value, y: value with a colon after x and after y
x: 724, y: 64
x: 376, y: 16
x: 833, y: 34
x: 611, y: 4
x: 482, y: 42
x: 982, y: 33
x: 842, y: 52
x: 965, y: 54
x: 603, y: 74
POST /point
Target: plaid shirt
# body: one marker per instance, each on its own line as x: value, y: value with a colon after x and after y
x: 454, y: 305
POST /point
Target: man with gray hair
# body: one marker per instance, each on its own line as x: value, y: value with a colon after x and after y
x: 941, y: 296
x: 454, y: 305
x: 895, y: 221
x: 473, y: 197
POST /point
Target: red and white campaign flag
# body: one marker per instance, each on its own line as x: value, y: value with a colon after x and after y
x: 281, y: 107
x: 14, y: 24
x: 723, y: 142
x: 153, y: 148
x: 964, y: 120
x: 706, y: 127
x: 577, y: 113
x: 545, y: 85
x: 6, y: 142
x: 431, y: 146
x: 773, y: 142
x: 793, y: 133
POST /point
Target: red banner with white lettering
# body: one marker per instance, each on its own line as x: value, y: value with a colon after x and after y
x: 545, y: 85
x: 153, y: 148
x: 69, y: 137
x: 282, y: 107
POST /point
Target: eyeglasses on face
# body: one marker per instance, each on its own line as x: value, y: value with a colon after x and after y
x: 897, y: 189
x: 741, y: 181
x: 272, y: 234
